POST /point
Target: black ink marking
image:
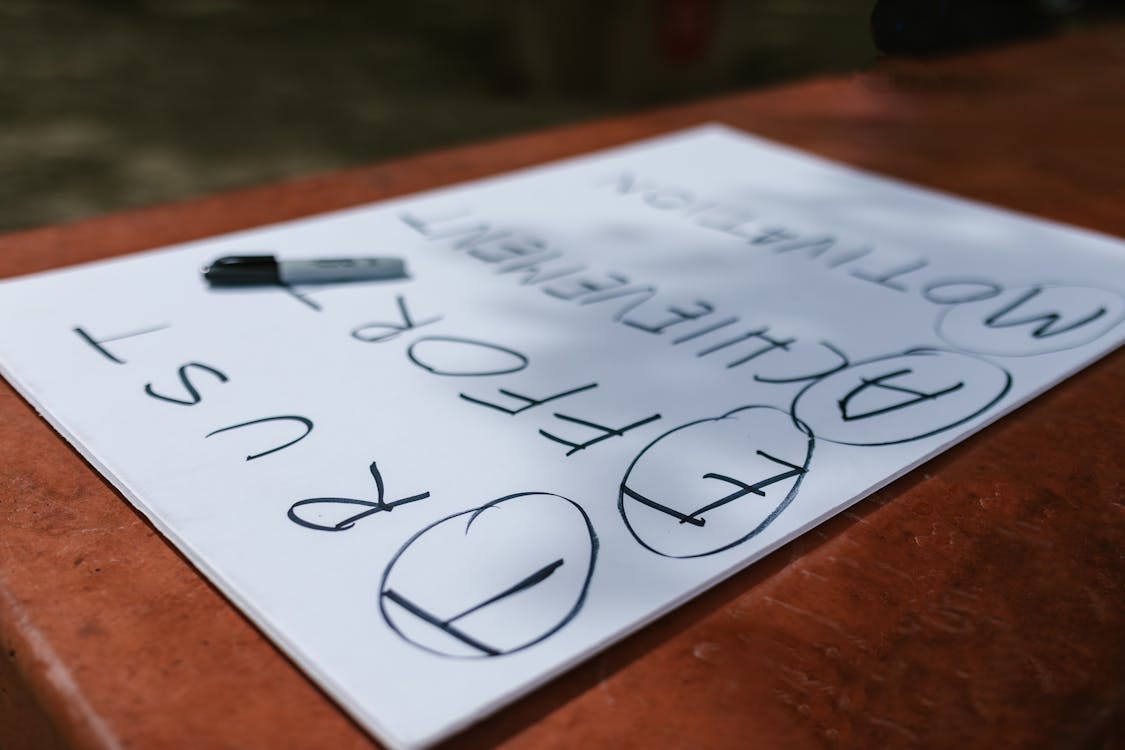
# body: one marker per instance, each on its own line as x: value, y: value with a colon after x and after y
x: 584, y: 285
x: 706, y: 330
x: 886, y: 279
x: 425, y: 227
x: 744, y: 489
x: 193, y: 394
x: 811, y: 376
x: 391, y: 330
x: 532, y: 580
x: 469, y: 235
x: 529, y: 401
x: 1035, y: 320
x: 879, y: 382
x: 446, y: 624
x: 678, y: 315
x: 772, y: 235
x: 445, y: 627
x: 694, y: 519
x: 745, y: 336
x: 683, y: 518
x: 422, y: 225
x: 379, y: 506
x: 533, y: 268
x: 1049, y: 320
x: 849, y: 257
x: 988, y: 381
x: 544, y: 278
x: 303, y: 420
x: 747, y: 489
x: 646, y: 292
x: 707, y: 539
x: 350, y: 521
x: 97, y: 343
x: 532, y: 263
x: 729, y: 342
x: 508, y: 250
x: 522, y: 361
x: 727, y: 220
x: 475, y: 241
x: 814, y: 246
x: 607, y: 432
x: 987, y: 290
x: 311, y: 303
x: 626, y: 183
x: 770, y: 345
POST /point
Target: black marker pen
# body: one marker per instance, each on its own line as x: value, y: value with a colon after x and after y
x: 243, y: 270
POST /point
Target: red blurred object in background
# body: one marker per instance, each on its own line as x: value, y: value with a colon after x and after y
x: 686, y: 28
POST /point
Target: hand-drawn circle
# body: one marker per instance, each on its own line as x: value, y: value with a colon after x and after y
x: 901, y: 397
x: 491, y: 580
x: 490, y: 359
x: 712, y: 484
x: 1031, y: 320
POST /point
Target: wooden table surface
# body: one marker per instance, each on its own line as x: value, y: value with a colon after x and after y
x: 979, y: 602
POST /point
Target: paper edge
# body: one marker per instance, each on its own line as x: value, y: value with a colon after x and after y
x: 304, y: 664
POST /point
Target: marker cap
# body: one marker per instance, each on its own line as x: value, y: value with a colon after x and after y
x: 242, y: 270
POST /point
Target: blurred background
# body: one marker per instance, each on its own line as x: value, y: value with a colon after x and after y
x: 112, y: 104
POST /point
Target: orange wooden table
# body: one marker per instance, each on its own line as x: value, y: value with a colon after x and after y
x: 979, y: 602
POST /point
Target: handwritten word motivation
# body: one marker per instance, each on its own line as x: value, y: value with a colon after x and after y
x: 859, y: 262
x: 981, y: 315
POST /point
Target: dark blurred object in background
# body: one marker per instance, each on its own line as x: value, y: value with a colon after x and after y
x: 921, y: 27
x: 928, y: 27
x: 654, y: 51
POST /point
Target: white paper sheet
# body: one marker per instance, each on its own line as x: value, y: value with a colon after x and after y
x: 607, y: 384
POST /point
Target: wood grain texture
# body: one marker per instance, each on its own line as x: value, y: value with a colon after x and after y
x: 979, y: 602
